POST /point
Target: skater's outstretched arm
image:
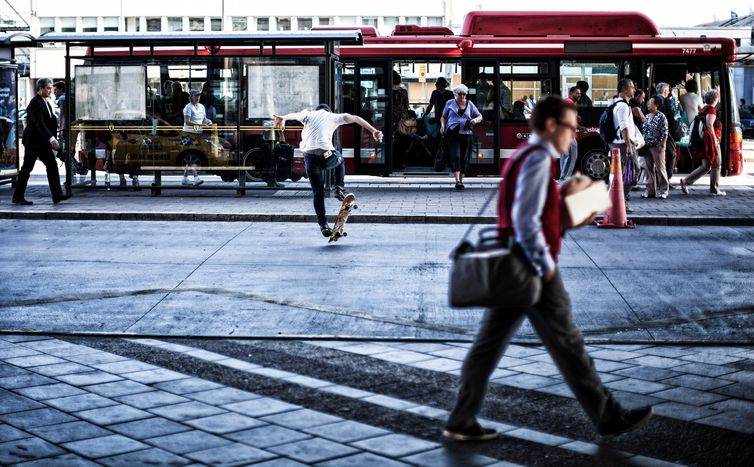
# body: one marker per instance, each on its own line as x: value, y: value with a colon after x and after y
x: 280, y: 119
x: 376, y: 134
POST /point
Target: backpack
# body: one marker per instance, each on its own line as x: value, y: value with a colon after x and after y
x: 698, y: 127
x: 608, y: 132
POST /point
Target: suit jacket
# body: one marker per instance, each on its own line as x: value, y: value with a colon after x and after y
x: 41, y: 124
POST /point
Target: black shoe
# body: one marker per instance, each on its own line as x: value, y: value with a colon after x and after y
x: 459, y: 186
x: 61, y: 198
x: 23, y: 202
x: 473, y: 433
x: 339, y: 193
x: 326, y: 230
x: 624, y: 421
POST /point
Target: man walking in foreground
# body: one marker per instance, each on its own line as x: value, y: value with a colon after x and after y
x: 529, y: 207
x: 317, y: 146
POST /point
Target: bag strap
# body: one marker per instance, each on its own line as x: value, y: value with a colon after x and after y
x: 524, y: 152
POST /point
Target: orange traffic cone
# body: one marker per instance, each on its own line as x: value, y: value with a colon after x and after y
x: 615, y: 216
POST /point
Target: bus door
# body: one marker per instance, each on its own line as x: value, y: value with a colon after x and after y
x: 480, y: 77
x: 685, y: 78
x: 416, y: 120
x: 520, y: 86
x: 369, y: 99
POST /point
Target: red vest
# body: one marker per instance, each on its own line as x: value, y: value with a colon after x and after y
x: 552, y: 227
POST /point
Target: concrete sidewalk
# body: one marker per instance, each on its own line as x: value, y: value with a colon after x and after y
x: 342, y: 403
x: 380, y: 200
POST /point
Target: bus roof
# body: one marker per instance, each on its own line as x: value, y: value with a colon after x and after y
x: 558, y: 23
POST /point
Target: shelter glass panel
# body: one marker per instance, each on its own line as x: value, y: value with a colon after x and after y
x: 8, y: 121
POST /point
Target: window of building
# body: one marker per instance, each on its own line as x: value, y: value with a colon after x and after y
x: 240, y: 23
x: 175, y: 23
x: 67, y: 24
x: 154, y: 24
x: 434, y: 21
x: 46, y: 25
x: 284, y: 24
x: 324, y: 21
x: 89, y: 24
x: 391, y: 22
x: 263, y: 24
x: 110, y: 23
x: 304, y: 24
x: 347, y: 20
x: 414, y: 20
x: 132, y: 24
x: 216, y: 24
x: 196, y: 24
x: 369, y: 21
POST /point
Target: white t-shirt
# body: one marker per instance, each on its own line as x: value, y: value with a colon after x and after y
x: 691, y: 103
x: 319, y: 126
x: 197, y: 114
x: 622, y: 119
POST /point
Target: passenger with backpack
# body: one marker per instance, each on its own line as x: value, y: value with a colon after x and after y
x: 617, y: 128
x: 706, y: 132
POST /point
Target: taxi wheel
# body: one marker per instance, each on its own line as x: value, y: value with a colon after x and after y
x: 191, y: 158
x: 596, y: 164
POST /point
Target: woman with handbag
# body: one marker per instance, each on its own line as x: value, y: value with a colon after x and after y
x: 457, y: 119
x: 655, y: 131
x: 530, y: 207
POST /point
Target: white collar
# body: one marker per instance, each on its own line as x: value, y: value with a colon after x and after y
x: 536, y: 139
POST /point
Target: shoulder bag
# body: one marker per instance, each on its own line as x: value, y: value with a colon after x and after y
x: 494, y: 273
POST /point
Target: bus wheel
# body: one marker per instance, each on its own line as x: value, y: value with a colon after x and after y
x: 596, y: 164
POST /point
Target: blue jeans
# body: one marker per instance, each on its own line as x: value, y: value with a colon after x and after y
x: 315, y: 170
x: 568, y: 161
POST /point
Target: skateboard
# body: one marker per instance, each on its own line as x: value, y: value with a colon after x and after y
x: 338, y: 230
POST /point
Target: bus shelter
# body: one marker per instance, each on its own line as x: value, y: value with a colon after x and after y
x: 11, y: 124
x: 126, y: 95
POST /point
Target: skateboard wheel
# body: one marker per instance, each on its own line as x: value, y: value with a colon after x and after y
x: 345, y: 234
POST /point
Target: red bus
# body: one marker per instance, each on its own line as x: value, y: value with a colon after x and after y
x: 508, y: 60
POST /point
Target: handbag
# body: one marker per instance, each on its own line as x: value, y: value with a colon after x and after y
x: 441, y: 160
x: 407, y: 125
x: 493, y: 273
x: 629, y: 174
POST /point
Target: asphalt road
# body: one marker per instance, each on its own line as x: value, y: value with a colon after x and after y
x: 283, y: 279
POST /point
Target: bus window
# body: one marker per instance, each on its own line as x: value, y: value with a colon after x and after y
x: 601, y: 78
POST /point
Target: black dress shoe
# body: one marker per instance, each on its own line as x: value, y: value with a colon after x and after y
x: 61, y: 198
x: 23, y: 202
x: 624, y: 421
x: 473, y: 433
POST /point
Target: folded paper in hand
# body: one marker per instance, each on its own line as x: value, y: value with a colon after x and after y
x: 593, y: 199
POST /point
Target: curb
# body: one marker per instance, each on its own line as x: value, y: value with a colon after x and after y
x: 358, y: 218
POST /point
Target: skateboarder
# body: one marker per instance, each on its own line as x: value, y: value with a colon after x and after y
x: 317, y: 146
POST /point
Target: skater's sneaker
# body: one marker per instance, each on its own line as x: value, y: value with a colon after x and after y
x: 339, y: 193
x: 473, y: 433
x: 624, y: 421
x: 326, y: 230
x: 197, y: 182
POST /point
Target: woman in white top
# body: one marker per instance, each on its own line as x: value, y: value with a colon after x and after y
x: 691, y: 101
x: 195, y: 115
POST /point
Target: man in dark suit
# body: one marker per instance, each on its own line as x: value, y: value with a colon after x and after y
x: 40, y: 141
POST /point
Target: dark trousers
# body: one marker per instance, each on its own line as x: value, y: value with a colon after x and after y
x: 53, y: 176
x: 315, y: 170
x: 459, y: 150
x: 670, y: 157
x: 552, y: 320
